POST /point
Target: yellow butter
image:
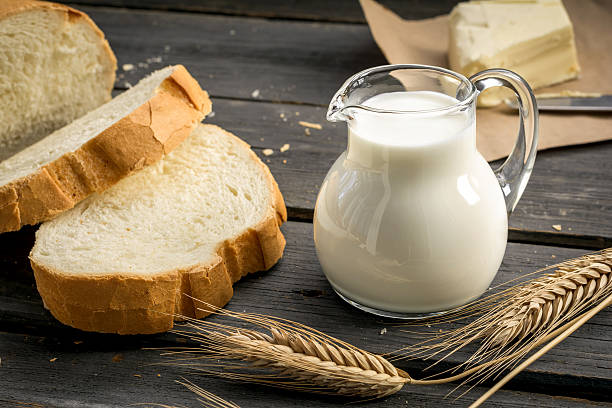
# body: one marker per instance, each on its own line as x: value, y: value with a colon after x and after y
x: 534, y: 38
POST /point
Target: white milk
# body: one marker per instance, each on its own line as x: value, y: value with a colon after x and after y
x: 411, y: 218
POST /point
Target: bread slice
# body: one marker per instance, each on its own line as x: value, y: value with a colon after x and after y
x: 194, y: 223
x: 92, y: 153
x: 55, y: 66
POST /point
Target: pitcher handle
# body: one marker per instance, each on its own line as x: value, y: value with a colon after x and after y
x: 514, y: 173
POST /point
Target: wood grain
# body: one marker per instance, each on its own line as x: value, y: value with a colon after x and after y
x: 568, y: 186
x: 296, y: 289
x: 285, y: 62
x: 298, y: 62
x: 116, y: 373
x: 290, y: 58
x: 318, y: 10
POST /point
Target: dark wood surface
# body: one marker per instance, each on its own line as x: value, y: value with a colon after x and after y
x: 296, y: 54
x: 347, y: 11
x: 286, y: 62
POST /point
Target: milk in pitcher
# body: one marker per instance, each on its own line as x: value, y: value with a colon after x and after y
x: 410, y: 219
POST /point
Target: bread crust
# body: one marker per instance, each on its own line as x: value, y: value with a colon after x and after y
x: 127, y: 303
x: 72, y: 16
x: 137, y: 140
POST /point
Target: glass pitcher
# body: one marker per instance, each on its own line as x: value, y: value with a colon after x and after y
x: 411, y: 220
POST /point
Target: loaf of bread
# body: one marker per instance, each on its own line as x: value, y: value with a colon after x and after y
x: 127, y: 260
x: 94, y: 152
x: 55, y: 66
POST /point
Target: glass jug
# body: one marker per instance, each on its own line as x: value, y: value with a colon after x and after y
x: 411, y: 220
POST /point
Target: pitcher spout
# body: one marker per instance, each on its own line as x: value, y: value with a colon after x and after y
x: 335, y: 112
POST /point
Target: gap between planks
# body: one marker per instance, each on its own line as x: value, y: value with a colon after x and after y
x: 564, y: 240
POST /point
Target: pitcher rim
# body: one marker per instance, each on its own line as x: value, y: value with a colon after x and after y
x: 473, y: 91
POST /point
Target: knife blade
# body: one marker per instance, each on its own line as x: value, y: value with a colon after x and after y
x: 602, y: 103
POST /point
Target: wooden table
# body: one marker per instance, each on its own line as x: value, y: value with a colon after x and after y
x: 267, y: 66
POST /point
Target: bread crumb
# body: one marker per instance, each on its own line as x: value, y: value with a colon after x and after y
x: 267, y: 152
x: 77, y: 342
x: 51, y: 360
x: 297, y: 113
x: 557, y: 227
x: 128, y: 67
x: 232, y: 32
x: 137, y: 375
x: 255, y: 93
x: 261, y: 139
x: 211, y: 114
x: 383, y: 331
x: 159, y: 375
x: 310, y: 125
x: 553, y: 256
x: 284, y: 161
x: 282, y: 115
x: 285, y: 147
x: 127, y: 84
x: 307, y: 131
x: 117, y: 357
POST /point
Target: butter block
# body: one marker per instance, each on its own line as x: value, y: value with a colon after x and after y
x: 534, y: 38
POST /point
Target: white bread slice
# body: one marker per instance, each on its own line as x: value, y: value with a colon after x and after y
x: 92, y: 153
x: 55, y: 66
x: 195, y: 222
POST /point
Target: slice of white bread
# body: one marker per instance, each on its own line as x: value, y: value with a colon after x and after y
x: 201, y: 218
x: 55, y: 66
x: 92, y: 153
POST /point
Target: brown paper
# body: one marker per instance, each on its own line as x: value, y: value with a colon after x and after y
x: 426, y: 42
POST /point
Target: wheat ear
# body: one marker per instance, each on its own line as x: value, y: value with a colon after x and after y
x: 572, y: 286
x: 299, y: 357
x: 573, y: 326
x: 524, y: 316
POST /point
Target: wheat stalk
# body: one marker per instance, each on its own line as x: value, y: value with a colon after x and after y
x: 207, y: 398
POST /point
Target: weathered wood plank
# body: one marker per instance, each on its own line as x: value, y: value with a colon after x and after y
x: 568, y: 186
x: 318, y: 10
x: 300, y: 62
x: 116, y: 373
x: 285, y: 61
x: 296, y: 289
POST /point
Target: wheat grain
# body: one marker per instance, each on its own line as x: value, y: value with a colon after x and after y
x: 322, y: 365
x: 546, y: 300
